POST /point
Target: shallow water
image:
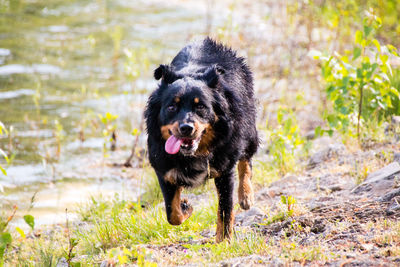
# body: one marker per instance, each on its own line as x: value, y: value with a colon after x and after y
x: 66, y: 61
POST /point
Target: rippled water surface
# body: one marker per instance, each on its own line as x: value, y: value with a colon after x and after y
x: 61, y: 64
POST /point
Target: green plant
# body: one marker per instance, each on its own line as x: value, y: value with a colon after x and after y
x: 358, y: 86
x: 289, y: 201
x: 3, y: 130
x: 109, y: 135
x: 286, y: 212
x: 125, y: 256
x: 69, y: 253
x: 5, y: 235
x: 285, y: 140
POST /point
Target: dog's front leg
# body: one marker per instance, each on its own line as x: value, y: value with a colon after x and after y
x: 178, y: 210
x: 245, y: 189
x: 225, y: 216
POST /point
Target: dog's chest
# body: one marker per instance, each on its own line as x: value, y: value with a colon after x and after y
x: 190, y: 173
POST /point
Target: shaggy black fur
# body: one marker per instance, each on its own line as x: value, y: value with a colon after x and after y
x: 206, y: 84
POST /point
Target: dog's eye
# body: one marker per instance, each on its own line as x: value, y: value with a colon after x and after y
x: 171, y: 108
x: 200, y: 106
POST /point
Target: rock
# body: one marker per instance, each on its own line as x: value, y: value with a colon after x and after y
x: 384, y: 173
x: 249, y: 217
x: 389, y: 196
x: 394, y: 206
x: 325, y: 154
x: 379, y: 182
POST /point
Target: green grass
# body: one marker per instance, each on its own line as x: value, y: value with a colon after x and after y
x: 121, y: 231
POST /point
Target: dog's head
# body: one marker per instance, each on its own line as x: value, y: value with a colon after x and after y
x: 186, y: 112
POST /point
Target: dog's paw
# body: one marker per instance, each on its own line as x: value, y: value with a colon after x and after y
x: 247, y: 200
x: 187, y: 209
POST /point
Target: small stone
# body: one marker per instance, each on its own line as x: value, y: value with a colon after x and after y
x: 395, y: 120
x: 335, y: 188
x: 310, y: 135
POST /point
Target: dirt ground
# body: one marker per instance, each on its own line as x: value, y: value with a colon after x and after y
x: 346, y: 222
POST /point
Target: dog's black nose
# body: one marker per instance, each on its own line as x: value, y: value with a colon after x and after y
x: 186, y: 129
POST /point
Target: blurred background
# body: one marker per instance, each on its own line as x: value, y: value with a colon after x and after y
x: 75, y: 76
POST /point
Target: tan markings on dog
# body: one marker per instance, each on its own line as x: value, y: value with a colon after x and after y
x: 206, y: 139
x: 220, y: 228
x: 170, y: 176
x: 228, y: 235
x: 178, y: 216
x: 177, y: 99
x: 196, y: 100
x: 221, y: 234
x: 166, y: 130
x: 245, y: 190
x: 221, y: 225
x: 214, y: 173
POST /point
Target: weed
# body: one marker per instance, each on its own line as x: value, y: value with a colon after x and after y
x: 6, y: 235
x: 3, y: 130
x: 69, y: 253
x: 363, y: 175
x: 109, y: 134
x: 124, y: 256
x: 288, y: 210
x: 285, y: 140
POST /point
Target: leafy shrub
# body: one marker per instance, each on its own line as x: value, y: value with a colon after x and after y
x: 358, y: 84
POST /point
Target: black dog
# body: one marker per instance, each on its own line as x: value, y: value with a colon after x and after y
x: 200, y: 123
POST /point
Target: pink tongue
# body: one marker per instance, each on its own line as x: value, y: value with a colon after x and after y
x: 172, y: 145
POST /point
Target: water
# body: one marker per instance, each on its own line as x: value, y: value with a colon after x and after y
x: 61, y: 64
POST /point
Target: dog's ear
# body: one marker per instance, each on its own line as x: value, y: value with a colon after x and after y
x: 212, y: 75
x: 151, y: 114
x: 165, y: 72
